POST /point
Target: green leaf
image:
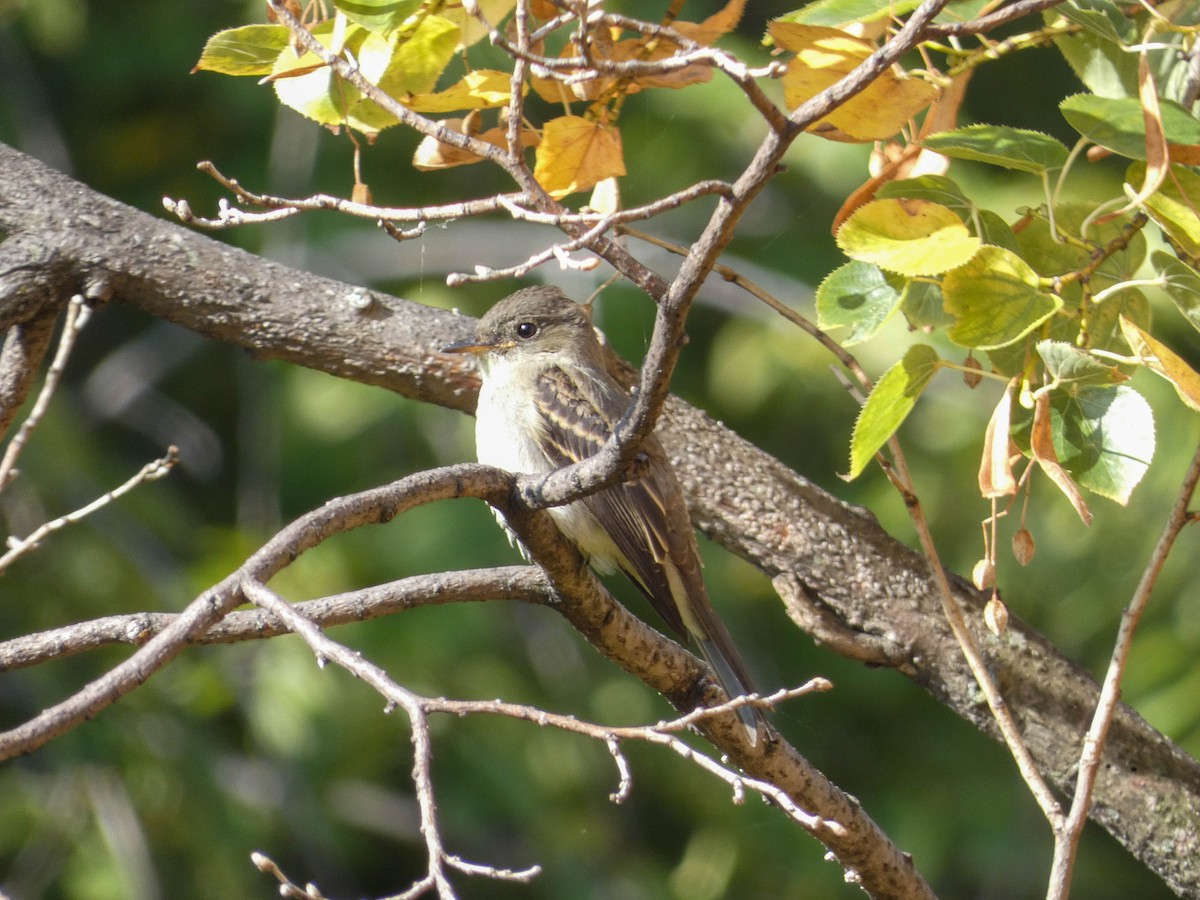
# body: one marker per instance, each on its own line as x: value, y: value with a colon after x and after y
x: 1051, y: 257
x: 310, y: 87
x: 921, y: 303
x: 1101, y: 18
x: 994, y: 230
x: 995, y: 300
x: 843, y: 12
x: 911, y: 237
x: 890, y: 402
x: 1182, y: 285
x: 935, y: 188
x: 249, y: 50
x: 1103, y: 326
x: 1173, y: 207
x: 1068, y: 365
x: 1120, y: 124
x: 857, y: 296
x: 381, y: 17
x: 999, y: 145
x: 1106, y: 66
x: 1104, y: 436
x: 409, y: 66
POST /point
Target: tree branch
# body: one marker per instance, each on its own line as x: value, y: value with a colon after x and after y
x: 864, y: 579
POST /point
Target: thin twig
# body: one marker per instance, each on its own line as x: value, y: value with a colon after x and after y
x: 522, y: 583
x: 78, y: 313
x: 309, y: 530
x: 760, y: 293
x: 414, y: 706
x: 1001, y: 713
x: 282, y: 207
x: 152, y: 471
x: 1066, y: 837
x: 993, y: 20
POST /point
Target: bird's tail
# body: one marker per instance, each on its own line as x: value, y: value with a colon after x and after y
x: 732, y: 676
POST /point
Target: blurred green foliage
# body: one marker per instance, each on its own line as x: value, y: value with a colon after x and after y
x: 252, y: 747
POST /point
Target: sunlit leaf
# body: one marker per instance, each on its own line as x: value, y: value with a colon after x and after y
x: 577, y: 153
x: 406, y: 67
x: 998, y: 145
x: 470, y: 30
x: 911, y: 237
x: 1182, y: 284
x: 856, y: 296
x: 1174, y: 207
x: 995, y: 300
x: 934, y: 188
x: 826, y: 55
x: 249, y: 50
x: 1163, y: 360
x: 843, y: 12
x: 480, y: 89
x: 1104, y: 437
x: 995, y: 467
x: 307, y: 85
x: 890, y: 402
x: 379, y: 16
x: 1102, y: 18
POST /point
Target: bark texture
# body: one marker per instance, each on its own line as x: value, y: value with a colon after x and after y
x: 844, y: 579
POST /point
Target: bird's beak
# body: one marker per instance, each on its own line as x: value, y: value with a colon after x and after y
x: 471, y: 346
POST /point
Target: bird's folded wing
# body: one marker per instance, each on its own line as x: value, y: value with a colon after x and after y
x: 634, y: 514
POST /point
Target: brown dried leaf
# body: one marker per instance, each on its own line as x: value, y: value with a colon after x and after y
x: 1041, y: 444
x: 995, y: 469
x: 433, y: 154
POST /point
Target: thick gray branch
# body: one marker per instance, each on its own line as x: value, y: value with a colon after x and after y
x: 867, y: 589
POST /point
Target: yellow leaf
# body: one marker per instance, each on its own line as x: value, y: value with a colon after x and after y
x: 480, y: 89
x: 1160, y: 358
x: 577, y: 153
x: 434, y: 154
x: 826, y: 55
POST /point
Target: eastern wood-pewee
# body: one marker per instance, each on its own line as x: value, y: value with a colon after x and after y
x: 547, y: 402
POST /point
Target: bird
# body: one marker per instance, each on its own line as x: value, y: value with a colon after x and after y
x: 547, y: 401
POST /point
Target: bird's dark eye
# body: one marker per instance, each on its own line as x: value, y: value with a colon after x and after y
x: 526, y: 330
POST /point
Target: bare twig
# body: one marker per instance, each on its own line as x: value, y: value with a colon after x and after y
x: 336, y: 516
x: 1000, y: 710
x: 152, y: 471
x: 78, y: 313
x: 419, y: 708
x: 992, y: 20
x: 762, y: 294
x: 1067, y: 833
x: 523, y: 583
x: 283, y: 207
x: 415, y: 708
